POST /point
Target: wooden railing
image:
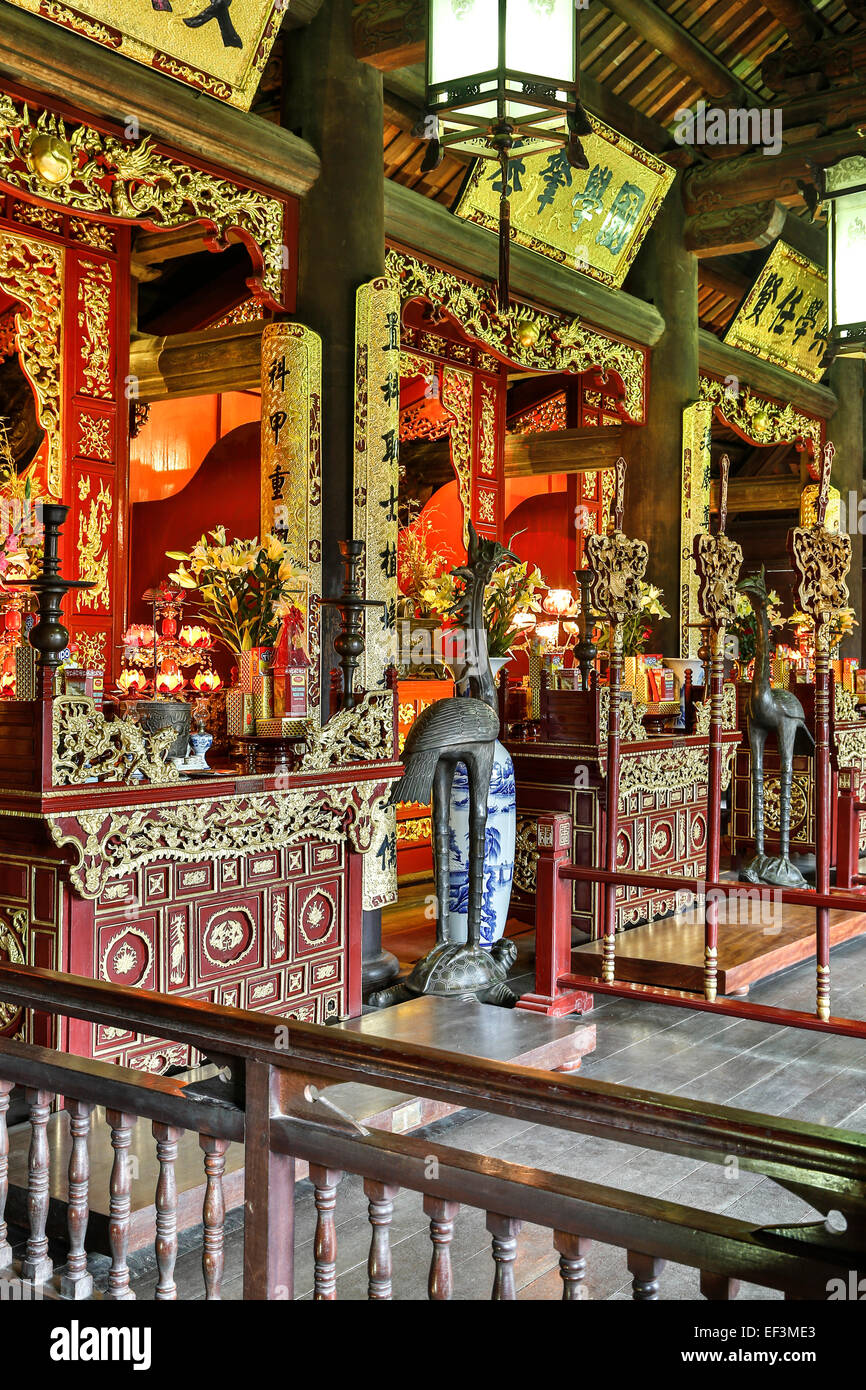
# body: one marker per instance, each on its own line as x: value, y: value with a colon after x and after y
x: 267, y: 1099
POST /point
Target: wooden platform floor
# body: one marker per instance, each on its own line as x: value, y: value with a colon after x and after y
x: 781, y: 1071
x: 670, y: 952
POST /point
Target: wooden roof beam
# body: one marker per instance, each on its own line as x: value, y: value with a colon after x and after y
x: 747, y: 179
x: 563, y: 451
x: 198, y: 364
x: 670, y: 38
x: 749, y: 495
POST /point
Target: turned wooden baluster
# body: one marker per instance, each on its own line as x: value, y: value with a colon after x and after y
x: 213, y: 1215
x: 36, y: 1266
x: 440, y: 1281
x: 167, y: 1138
x: 504, y: 1230
x: 5, y: 1248
x: 646, y: 1270
x: 718, y: 1287
x: 572, y: 1264
x: 75, y: 1282
x: 325, y: 1182
x: 380, y: 1196
x: 119, y: 1204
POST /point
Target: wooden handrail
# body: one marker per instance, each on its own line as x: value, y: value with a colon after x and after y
x: 829, y: 1163
x: 709, y: 1241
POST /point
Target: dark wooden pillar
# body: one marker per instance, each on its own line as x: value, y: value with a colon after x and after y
x: 845, y: 428
x: 666, y: 275
x: 335, y: 103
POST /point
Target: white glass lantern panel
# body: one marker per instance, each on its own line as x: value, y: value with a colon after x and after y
x: 539, y: 38
x: 464, y: 39
x: 849, y: 260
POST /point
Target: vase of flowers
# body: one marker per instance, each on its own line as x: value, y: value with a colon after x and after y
x: 512, y: 590
x: 637, y: 629
x: 245, y: 587
x: 744, y: 628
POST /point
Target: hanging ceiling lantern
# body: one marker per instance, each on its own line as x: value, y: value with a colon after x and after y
x: 844, y: 192
x: 501, y: 73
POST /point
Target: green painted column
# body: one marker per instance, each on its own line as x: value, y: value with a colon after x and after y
x: 665, y: 275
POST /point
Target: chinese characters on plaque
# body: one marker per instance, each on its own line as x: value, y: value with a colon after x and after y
x: 219, y: 46
x: 593, y: 220
x: 783, y: 318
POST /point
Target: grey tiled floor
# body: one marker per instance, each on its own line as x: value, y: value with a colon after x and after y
x: 780, y: 1071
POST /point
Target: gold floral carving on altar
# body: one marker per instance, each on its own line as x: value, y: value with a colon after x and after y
x: 31, y: 271
x: 111, y: 841
x: 90, y: 650
x: 85, y: 745
x: 94, y: 308
x: 592, y: 220
x: 729, y: 711
x: 526, y: 854
x: 671, y: 769
x: 528, y: 338
x: 760, y: 419
x: 222, y: 51
x: 457, y: 399
x: 94, y: 547
x: 784, y: 317
x: 360, y: 735
x: 631, y: 726
x: 137, y: 182
x: 291, y: 467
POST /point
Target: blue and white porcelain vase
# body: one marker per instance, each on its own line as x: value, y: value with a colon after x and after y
x: 499, y: 845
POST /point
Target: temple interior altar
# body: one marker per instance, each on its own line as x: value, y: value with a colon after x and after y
x: 432, y: 683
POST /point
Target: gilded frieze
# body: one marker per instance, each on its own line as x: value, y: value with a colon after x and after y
x: 137, y: 182
x: 528, y: 338
x: 759, y: 419
x: 31, y: 272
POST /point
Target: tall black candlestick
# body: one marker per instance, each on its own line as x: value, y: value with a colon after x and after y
x: 49, y: 636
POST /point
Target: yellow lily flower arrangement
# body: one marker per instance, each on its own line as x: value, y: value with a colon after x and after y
x: 245, y: 587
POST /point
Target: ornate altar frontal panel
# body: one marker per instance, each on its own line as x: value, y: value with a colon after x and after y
x: 291, y: 501
x: 784, y: 317
x: 221, y: 49
x: 592, y: 220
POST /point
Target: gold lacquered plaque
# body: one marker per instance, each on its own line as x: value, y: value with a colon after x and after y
x: 593, y: 220
x: 219, y: 46
x: 783, y: 318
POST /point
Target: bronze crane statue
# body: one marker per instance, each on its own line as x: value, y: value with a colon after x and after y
x: 458, y: 730
x: 779, y: 712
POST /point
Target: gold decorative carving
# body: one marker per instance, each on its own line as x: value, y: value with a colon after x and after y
x: 671, y: 769
x: 13, y: 937
x: 618, y: 564
x: 90, y: 650
x: 94, y: 554
x: 139, y: 183
x: 759, y: 419
x: 487, y: 429
x: 31, y: 271
x: 94, y: 308
x: 457, y: 400
x: 557, y: 344
x: 694, y: 515
x: 109, y: 841
x: 773, y: 801
x: 94, y: 437
x: 87, y: 746
x: 631, y: 727
x: 526, y: 854
x: 360, y: 735
x: 97, y: 235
